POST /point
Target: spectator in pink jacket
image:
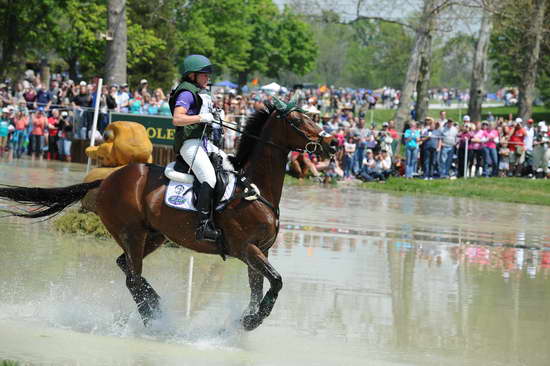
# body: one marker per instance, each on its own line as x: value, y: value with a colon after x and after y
x: 490, y: 141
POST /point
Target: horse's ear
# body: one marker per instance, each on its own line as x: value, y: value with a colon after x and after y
x: 279, y: 105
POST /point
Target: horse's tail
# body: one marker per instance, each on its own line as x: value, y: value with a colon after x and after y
x: 47, y: 201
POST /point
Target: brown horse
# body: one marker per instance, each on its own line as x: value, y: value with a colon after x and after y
x: 130, y: 204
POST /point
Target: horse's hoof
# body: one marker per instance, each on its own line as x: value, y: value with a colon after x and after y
x: 149, y: 312
x: 251, y: 322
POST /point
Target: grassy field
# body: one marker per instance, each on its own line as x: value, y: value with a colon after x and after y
x: 517, y: 190
x: 382, y: 115
x: 8, y: 363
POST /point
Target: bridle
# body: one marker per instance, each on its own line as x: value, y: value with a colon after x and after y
x: 312, y: 145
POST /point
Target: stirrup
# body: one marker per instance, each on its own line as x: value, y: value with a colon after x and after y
x: 205, y: 231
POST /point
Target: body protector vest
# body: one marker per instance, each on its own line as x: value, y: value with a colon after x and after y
x: 203, y: 101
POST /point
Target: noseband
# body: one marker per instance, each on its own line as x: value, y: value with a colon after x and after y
x: 312, y: 145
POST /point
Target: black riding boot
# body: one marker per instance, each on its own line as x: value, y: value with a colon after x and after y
x: 206, y: 230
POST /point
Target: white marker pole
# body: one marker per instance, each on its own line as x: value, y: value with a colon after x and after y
x: 189, y: 286
x: 96, y: 115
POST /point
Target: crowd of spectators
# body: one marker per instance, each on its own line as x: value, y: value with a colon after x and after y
x: 498, y: 147
x: 41, y: 121
x: 433, y: 148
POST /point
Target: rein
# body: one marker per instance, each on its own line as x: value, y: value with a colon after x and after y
x: 311, y: 146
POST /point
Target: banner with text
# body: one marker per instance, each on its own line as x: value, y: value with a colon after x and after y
x: 159, y: 128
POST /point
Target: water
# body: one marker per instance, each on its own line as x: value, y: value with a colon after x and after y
x: 369, y: 278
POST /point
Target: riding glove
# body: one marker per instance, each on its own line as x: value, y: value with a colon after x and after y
x: 206, y: 117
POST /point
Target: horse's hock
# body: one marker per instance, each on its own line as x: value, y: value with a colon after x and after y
x: 125, y: 143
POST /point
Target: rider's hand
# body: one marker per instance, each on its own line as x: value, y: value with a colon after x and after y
x: 206, y: 118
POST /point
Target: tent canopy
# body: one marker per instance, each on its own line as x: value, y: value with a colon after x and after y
x: 227, y: 84
x: 273, y: 86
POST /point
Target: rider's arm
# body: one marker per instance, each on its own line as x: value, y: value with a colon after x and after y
x: 181, y: 118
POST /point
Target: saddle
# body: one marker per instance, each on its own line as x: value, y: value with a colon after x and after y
x: 182, y: 192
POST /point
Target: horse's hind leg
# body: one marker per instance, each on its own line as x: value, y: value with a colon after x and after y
x: 256, y: 283
x: 137, y: 246
x: 258, y: 261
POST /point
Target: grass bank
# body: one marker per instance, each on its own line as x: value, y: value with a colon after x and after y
x: 515, y: 190
x: 76, y: 222
x: 8, y: 363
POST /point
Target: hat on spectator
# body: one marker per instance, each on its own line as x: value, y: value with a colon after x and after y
x: 40, y: 109
x: 64, y: 114
x: 466, y: 118
x: 125, y: 85
x: 385, y: 124
x: 143, y: 81
x: 5, y: 110
x: 519, y: 120
x: 542, y: 123
x: 530, y: 120
x: 82, y: 83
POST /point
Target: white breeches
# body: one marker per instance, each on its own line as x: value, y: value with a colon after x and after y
x: 202, y: 167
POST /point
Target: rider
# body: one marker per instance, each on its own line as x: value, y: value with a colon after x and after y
x: 191, y: 107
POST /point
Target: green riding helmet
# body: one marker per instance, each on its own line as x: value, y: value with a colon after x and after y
x: 195, y: 63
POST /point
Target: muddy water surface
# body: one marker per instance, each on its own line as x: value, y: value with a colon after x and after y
x: 369, y: 278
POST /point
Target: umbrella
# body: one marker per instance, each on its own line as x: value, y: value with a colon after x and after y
x: 227, y: 84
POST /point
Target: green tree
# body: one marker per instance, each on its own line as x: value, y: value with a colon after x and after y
x: 218, y: 29
x: 244, y: 37
x: 334, y: 41
x: 26, y: 31
x: 517, y: 48
x: 375, y: 58
x: 153, y: 41
x: 453, y: 61
x: 76, y: 33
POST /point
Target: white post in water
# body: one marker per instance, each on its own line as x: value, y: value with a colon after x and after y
x: 189, y: 286
x: 96, y: 115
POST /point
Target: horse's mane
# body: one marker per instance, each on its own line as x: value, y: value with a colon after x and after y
x: 254, y: 125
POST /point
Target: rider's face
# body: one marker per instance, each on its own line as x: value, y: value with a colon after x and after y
x: 202, y: 79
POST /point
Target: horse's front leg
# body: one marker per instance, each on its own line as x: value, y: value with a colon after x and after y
x: 258, y: 262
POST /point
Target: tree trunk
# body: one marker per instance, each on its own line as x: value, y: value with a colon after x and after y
x: 45, y: 73
x: 243, y: 78
x: 423, y: 83
x: 479, y: 69
x: 422, y: 36
x: 116, y: 63
x: 8, y: 43
x: 73, y: 72
x: 533, y: 38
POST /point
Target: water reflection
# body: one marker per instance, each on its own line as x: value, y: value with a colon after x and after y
x: 367, y: 276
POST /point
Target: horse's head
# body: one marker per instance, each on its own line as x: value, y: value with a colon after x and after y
x: 301, y: 133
